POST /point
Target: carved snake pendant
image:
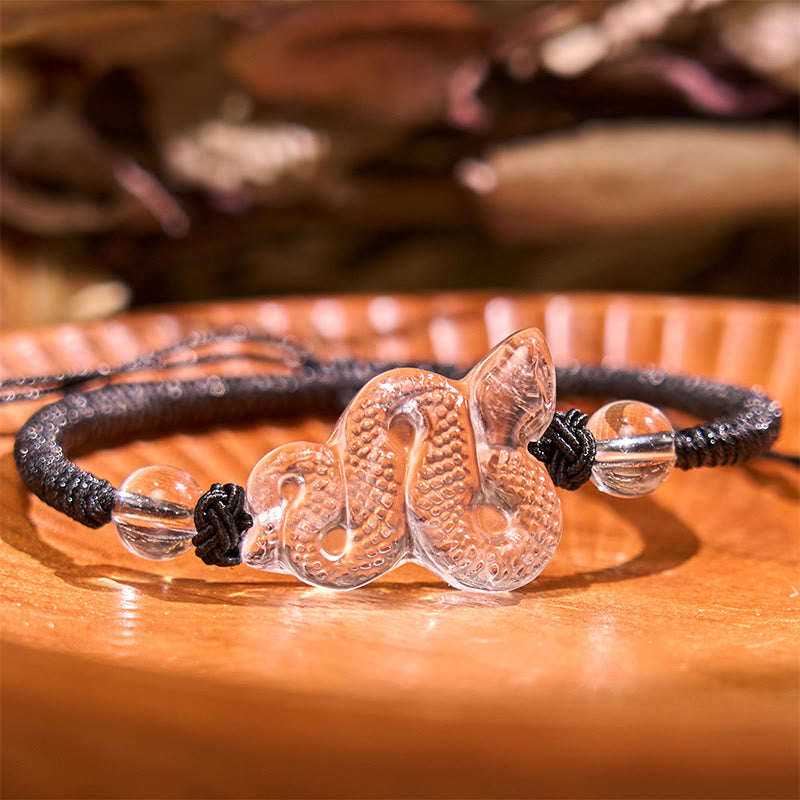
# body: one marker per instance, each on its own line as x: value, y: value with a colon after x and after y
x: 419, y: 468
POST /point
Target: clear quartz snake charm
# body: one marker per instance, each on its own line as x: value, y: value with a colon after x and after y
x: 419, y: 468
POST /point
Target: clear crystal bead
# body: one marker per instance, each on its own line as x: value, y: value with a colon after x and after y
x: 635, y: 448
x: 154, y: 512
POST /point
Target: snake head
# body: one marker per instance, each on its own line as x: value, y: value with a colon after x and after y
x: 513, y: 391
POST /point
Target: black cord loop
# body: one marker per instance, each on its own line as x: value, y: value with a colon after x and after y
x: 221, y: 520
x: 567, y: 449
x: 744, y: 424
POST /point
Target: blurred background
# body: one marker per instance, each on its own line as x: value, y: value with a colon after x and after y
x: 173, y: 151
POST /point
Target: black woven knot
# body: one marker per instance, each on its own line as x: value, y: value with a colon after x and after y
x: 567, y: 448
x: 220, y: 520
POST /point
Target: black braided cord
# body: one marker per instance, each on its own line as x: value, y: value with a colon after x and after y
x: 744, y: 424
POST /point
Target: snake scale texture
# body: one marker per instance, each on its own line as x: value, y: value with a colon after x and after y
x: 422, y: 468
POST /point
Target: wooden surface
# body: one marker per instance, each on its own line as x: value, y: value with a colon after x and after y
x: 657, y: 656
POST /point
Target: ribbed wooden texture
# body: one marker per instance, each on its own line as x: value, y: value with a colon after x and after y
x: 655, y: 657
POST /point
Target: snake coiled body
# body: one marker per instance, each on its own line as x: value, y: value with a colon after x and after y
x: 476, y: 508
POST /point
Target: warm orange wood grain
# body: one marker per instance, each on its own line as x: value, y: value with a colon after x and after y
x: 657, y: 656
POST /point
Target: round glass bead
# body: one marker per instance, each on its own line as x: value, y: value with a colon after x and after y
x: 635, y: 448
x: 154, y: 512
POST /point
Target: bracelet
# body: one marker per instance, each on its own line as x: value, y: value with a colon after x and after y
x: 427, y: 464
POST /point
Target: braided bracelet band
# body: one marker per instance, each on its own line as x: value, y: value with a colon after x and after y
x: 456, y: 473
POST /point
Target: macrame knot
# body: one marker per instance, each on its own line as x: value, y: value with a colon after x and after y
x: 220, y: 520
x: 567, y: 448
